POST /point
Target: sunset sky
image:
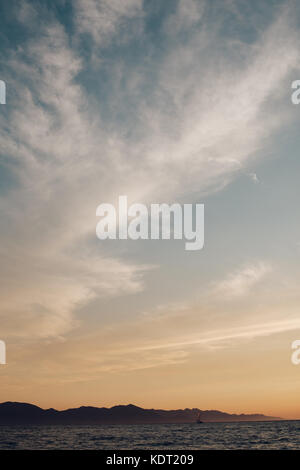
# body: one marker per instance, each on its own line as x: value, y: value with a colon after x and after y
x: 164, y: 101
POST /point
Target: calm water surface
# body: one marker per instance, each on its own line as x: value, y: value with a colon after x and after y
x: 270, y: 435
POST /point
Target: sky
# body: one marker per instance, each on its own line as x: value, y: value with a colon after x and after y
x: 184, y: 101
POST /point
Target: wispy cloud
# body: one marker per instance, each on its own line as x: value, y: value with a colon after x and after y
x: 187, y: 15
x: 254, y: 177
x: 243, y: 280
x: 194, y: 122
x: 227, y: 338
x: 53, y: 142
x: 103, y: 19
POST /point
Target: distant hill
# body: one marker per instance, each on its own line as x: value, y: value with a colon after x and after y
x: 25, y: 413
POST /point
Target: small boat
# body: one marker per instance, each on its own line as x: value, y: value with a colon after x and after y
x: 199, y: 421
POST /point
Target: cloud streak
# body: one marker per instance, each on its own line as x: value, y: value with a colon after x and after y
x: 197, y: 120
x: 243, y: 280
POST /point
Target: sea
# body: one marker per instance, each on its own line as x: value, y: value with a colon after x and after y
x: 245, y: 435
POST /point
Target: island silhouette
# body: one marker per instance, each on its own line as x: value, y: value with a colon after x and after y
x: 12, y: 413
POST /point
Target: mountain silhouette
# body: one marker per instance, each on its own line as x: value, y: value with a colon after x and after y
x: 25, y: 413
